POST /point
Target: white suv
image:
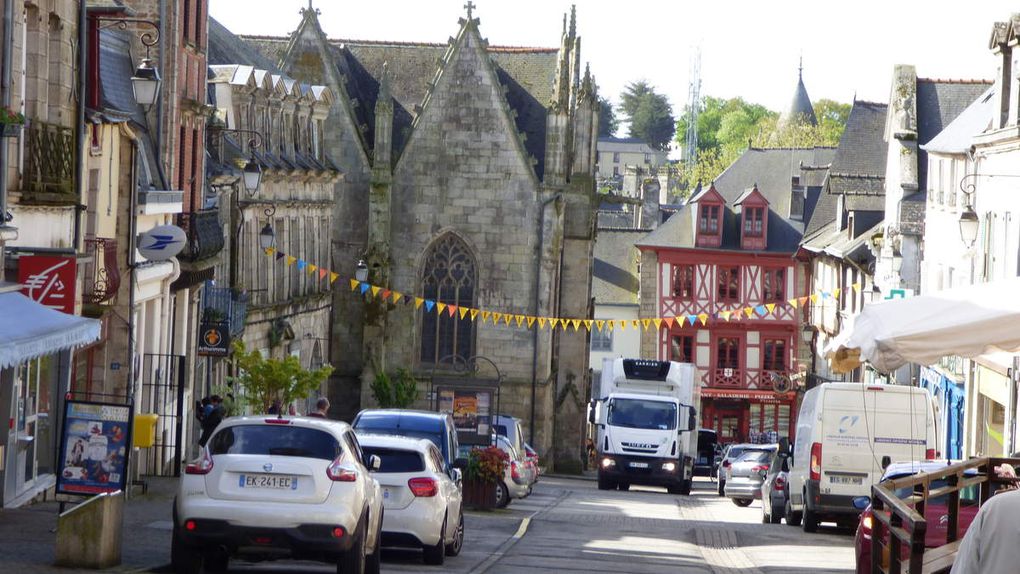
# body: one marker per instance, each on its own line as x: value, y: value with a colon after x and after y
x: 269, y: 488
x: 421, y: 500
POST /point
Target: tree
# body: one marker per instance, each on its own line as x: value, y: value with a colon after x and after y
x: 398, y: 392
x: 632, y: 95
x: 608, y: 123
x: 265, y: 380
x: 649, y: 114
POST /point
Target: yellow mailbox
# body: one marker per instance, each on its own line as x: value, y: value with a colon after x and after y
x: 144, y: 430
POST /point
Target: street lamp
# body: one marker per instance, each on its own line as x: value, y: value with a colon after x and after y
x: 361, y: 272
x: 145, y: 83
x: 969, y: 221
x: 251, y: 171
x: 267, y: 237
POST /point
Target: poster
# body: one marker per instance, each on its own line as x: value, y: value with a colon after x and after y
x: 472, y: 412
x: 93, y: 450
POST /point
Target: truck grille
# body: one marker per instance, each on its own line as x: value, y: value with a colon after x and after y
x: 638, y: 447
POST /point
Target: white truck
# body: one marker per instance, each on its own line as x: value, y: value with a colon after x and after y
x: 646, y: 424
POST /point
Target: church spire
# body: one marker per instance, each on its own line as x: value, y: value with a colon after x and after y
x: 800, y: 108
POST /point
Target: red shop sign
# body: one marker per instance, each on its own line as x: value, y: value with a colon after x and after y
x: 48, y: 280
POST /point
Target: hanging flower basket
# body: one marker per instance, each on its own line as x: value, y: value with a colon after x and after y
x: 484, y: 469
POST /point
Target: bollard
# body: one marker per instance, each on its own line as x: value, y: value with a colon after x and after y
x: 89, y: 535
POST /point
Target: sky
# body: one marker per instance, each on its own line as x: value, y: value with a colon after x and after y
x: 748, y: 48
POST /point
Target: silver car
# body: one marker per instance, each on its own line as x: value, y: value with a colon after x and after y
x: 731, y: 453
x: 773, y: 490
x: 745, y: 475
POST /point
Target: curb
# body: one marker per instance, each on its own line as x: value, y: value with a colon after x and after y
x: 572, y: 477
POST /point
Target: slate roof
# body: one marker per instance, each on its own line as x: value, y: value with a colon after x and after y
x: 977, y: 118
x: 939, y: 102
x: 772, y: 170
x: 800, y: 105
x: 527, y: 73
x: 615, y: 266
x: 226, y: 48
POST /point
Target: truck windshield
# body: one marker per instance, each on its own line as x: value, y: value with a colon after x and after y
x: 641, y: 414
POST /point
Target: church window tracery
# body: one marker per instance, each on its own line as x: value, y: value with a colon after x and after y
x: 448, y: 276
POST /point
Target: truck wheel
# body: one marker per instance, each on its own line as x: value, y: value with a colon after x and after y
x: 792, y: 518
x: 685, y: 488
x: 606, y: 484
x: 810, y: 523
x: 624, y: 486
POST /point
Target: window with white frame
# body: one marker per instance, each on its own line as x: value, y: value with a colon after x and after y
x: 602, y: 340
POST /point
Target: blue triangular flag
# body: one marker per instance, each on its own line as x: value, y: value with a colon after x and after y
x: 761, y: 310
x: 429, y: 304
x: 301, y: 264
x: 692, y: 318
x: 826, y: 294
x: 364, y: 287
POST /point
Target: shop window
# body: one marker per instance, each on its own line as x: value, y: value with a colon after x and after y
x: 681, y: 348
x: 683, y: 282
x: 728, y: 353
x: 774, y: 288
x: 774, y: 357
x: 729, y: 284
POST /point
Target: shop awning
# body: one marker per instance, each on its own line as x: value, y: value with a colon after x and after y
x: 31, y: 330
x: 965, y: 322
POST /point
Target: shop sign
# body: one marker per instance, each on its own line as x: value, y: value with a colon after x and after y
x: 93, y: 448
x: 161, y: 242
x: 214, y: 340
x: 48, y: 280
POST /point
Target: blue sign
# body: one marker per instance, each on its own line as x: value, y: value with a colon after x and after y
x: 94, y: 448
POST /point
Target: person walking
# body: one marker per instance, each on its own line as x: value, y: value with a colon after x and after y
x: 321, y: 409
x: 212, y: 419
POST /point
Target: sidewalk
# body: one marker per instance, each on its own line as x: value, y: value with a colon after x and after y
x: 28, y: 534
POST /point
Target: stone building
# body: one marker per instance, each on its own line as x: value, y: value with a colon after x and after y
x: 470, y: 157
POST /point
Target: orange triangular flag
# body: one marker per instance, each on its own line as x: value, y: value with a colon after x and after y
x: 386, y: 293
x: 396, y: 297
x: 599, y: 323
x: 531, y: 321
x: 375, y: 290
x: 451, y: 310
x: 354, y: 284
x: 587, y: 324
x: 417, y: 302
x: 770, y: 306
x: 519, y: 319
x: 658, y: 323
x: 322, y: 272
x: 802, y: 300
x: 474, y: 313
x: 541, y: 322
x: 669, y: 321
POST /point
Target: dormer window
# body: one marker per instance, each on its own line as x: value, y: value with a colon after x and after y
x: 709, y: 220
x: 753, y: 221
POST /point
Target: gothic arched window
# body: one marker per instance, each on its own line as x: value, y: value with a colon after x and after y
x: 448, y: 276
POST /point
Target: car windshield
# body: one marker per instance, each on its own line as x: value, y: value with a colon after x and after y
x: 754, y: 456
x: 642, y: 414
x: 396, y: 460
x: 275, y: 440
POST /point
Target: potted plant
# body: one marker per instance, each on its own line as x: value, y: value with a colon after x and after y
x: 11, y: 122
x: 485, y: 467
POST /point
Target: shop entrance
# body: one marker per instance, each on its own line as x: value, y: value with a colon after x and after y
x: 728, y: 419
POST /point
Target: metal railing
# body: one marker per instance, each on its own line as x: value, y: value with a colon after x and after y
x: 225, y: 305
x: 204, y: 232
x: 49, y: 158
x: 101, y: 275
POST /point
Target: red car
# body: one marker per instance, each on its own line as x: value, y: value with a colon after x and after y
x: 936, y: 512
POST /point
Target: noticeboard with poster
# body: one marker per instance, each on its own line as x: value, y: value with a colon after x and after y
x: 93, y: 448
x: 472, y: 411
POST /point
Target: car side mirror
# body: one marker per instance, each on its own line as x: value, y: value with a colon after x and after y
x: 374, y: 462
x: 886, y: 461
x: 861, y: 502
x: 457, y: 476
x: 592, y: 405
x: 460, y: 463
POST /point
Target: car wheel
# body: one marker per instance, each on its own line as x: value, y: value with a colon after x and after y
x: 742, y: 502
x: 216, y: 562
x: 765, y: 519
x: 722, y: 485
x: 436, y: 554
x: 353, y: 561
x: 502, y: 495
x: 373, y: 564
x: 453, y: 548
x: 810, y: 523
x: 685, y: 487
x: 606, y: 484
x: 624, y: 486
x: 185, y: 559
x: 792, y: 518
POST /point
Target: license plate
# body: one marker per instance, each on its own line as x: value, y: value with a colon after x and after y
x: 639, y: 465
x: 855, y: 480
x: 271, y: 481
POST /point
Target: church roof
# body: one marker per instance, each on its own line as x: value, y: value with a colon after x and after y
x: 800, y: 107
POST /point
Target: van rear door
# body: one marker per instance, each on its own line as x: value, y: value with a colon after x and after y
x: 901, y: 425
x: 846, y: 454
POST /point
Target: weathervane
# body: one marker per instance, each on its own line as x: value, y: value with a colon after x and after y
x: 469, y: 6
x: 310, y: 9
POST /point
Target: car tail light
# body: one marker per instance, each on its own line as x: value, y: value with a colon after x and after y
x: 931, y: 454
x: 816, y: 461
x: 726, y: 463
x: 278, y: 421
x: 760, y: 468
x: 780, y: 482
x: 866, y: 522
x: 515, y: 470
x: 337, y: 472
x: 203, y: 465
x: 190, y: 525
x: 338, y: 532
x: 423, y: 486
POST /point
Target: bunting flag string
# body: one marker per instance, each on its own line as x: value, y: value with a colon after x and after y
x: 463, y: 313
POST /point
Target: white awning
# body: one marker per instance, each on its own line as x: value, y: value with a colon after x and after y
x: 965, y: 322
x: 31, y: 330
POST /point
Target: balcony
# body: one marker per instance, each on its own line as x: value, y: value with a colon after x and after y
x: 205, y: 235
x: 101, y: 275
x: 224, y: 305
x: 728, y: 378
x: 49, y: 163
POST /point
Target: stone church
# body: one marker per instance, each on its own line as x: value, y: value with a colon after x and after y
x: 468, y: 179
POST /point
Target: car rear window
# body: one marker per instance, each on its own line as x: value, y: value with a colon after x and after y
x: 396, y: 460
x: 275, y: 440
x: 755, y: 456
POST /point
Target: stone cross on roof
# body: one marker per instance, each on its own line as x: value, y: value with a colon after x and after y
x: 469, y: 7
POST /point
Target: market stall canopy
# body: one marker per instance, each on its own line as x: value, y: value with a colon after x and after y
x: 33, y: 330
x: 965, y: 322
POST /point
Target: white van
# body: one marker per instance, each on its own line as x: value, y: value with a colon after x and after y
x: 844, y: 431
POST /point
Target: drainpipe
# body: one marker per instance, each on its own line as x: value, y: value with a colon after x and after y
x: 538, y: 291
x: 80, y: 131
x: 5, y: 87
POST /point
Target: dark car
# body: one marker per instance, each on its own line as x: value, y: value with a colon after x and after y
x: 705, y: 461
x: 437, y: 427
x: 935, y: 511
x: 774, y: 489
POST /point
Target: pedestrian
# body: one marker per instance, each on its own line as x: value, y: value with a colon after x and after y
x: 292, y: 410
x: 321, y: 409
x: 213, y: 419
x: 275, y: 408
x: 201, y: 409
x: 992, y: 543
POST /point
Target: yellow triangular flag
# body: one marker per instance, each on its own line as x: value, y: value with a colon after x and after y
x: 474, y: 313
x: 576, y: 323
x: 770, y: 307
x: 599, y: 323
x: 622, y: 324
x: 531, y: 321
x: 519, y: 319
x: 270, y: 250
x: 440, y: 306
x: 748, y: 311
x: 703, y: 318
x: 507, y: 317
x: 486, y: 315
x: 587, y: 324
x: 792, y: 302
x: 397, y: 296
x: 814, y: 297
x: 463, y: 312
x: 646, y: 323
x: 354, y: 284
x: 333, y: 276
x: 658, y: 323
x: 311, y: 268
x: 375, y: 290
x: 290, y: 260
x: 496, y: 317
x: 553, y: 323
x: 725, y: 315
x: 610, y: 325
x: 835, y: 293
x: 636, y: 324
x: 417, y: 302
x: 857, y: 287
x: 541, y: 322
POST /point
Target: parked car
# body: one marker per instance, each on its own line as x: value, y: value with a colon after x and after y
x: 773, y: 489
x: 731, y: 453
x: 274, y: 487
x: 532, y: 456
x: 704, y: 464
x: 935, y: 511
x: 421, y: 496
x: 437, y: 427
x: 517, y: 479
x: 744, y: 476
x: 511, y: 428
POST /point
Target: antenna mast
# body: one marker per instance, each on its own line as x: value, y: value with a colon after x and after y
x: 690, y: 155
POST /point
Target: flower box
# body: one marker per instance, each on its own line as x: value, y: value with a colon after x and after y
x: 10, y: 130
x: 479, y: 494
